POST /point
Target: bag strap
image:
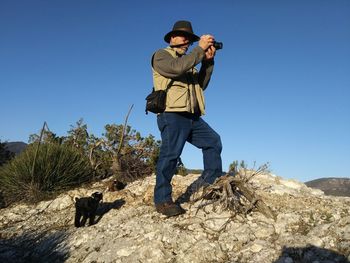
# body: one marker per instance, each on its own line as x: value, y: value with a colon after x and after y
x: 168, y: 86
x: 171, y: 81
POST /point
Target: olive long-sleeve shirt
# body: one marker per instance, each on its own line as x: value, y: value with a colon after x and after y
x: 168, y: 66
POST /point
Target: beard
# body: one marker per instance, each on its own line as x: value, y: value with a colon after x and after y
x: 182, y: 50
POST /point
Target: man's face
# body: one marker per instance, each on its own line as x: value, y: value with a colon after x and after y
x: 183, y: 40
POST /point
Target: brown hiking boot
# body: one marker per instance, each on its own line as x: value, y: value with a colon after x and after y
x: 170, y: 209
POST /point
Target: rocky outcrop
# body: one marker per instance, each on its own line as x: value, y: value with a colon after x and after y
x: 309, y: 227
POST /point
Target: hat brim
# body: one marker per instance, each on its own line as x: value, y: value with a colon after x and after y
x: 193, y: 37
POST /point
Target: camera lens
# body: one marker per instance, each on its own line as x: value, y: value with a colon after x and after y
x: 218, y: 45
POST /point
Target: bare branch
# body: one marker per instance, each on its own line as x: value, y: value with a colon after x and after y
x: 121, y: 144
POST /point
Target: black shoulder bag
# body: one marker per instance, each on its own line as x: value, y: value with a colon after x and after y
x: 156, y: 100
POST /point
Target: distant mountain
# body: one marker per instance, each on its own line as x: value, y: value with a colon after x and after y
x: 16, y: 147
x: 194, y: 171
x: 332, y: 186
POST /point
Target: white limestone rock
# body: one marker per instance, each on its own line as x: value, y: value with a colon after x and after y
x: 307, y: 223
x: 61, y: 203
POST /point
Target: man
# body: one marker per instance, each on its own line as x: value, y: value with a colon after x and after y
x: 174, y: 69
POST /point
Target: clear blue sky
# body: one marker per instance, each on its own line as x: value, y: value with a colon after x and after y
x: 280, y: 90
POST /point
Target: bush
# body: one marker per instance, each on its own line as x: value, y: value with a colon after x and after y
x: 57, y: 168
x: 121, y: 151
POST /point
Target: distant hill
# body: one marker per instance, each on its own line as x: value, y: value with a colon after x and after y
x: 194, y: 171
x: 332, y: 186
x: 16, y: 147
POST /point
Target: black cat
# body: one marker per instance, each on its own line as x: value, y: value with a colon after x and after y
x: 86, y: 207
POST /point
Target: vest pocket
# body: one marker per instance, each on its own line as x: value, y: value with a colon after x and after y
x: 177, y: 97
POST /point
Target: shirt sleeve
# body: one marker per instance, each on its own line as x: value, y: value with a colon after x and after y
x: 205, y: 73
x: 168, y: 66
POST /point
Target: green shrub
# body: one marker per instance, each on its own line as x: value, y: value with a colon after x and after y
x: 57, y: 168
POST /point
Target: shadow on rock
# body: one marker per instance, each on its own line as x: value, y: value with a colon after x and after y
x: 310, y: 254
x: 191, y: 189
x: 105, y: 207
x: 35, y: 247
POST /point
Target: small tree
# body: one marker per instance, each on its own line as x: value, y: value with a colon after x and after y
x: 78, y: 136
x: 133, y: 156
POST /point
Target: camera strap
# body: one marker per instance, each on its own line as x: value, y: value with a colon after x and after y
x: 180, y: 45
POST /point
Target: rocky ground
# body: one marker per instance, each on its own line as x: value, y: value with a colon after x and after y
x: 309, y: 227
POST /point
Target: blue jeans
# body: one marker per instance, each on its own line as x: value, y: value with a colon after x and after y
x: 176, y: 129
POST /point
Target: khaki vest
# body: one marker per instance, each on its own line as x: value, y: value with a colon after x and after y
x: 180, y: 95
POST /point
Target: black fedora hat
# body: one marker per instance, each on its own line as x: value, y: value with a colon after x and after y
x: 182, y: 27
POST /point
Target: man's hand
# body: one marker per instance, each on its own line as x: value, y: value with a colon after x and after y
x: 206, y: 43
x: 210, y: 53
